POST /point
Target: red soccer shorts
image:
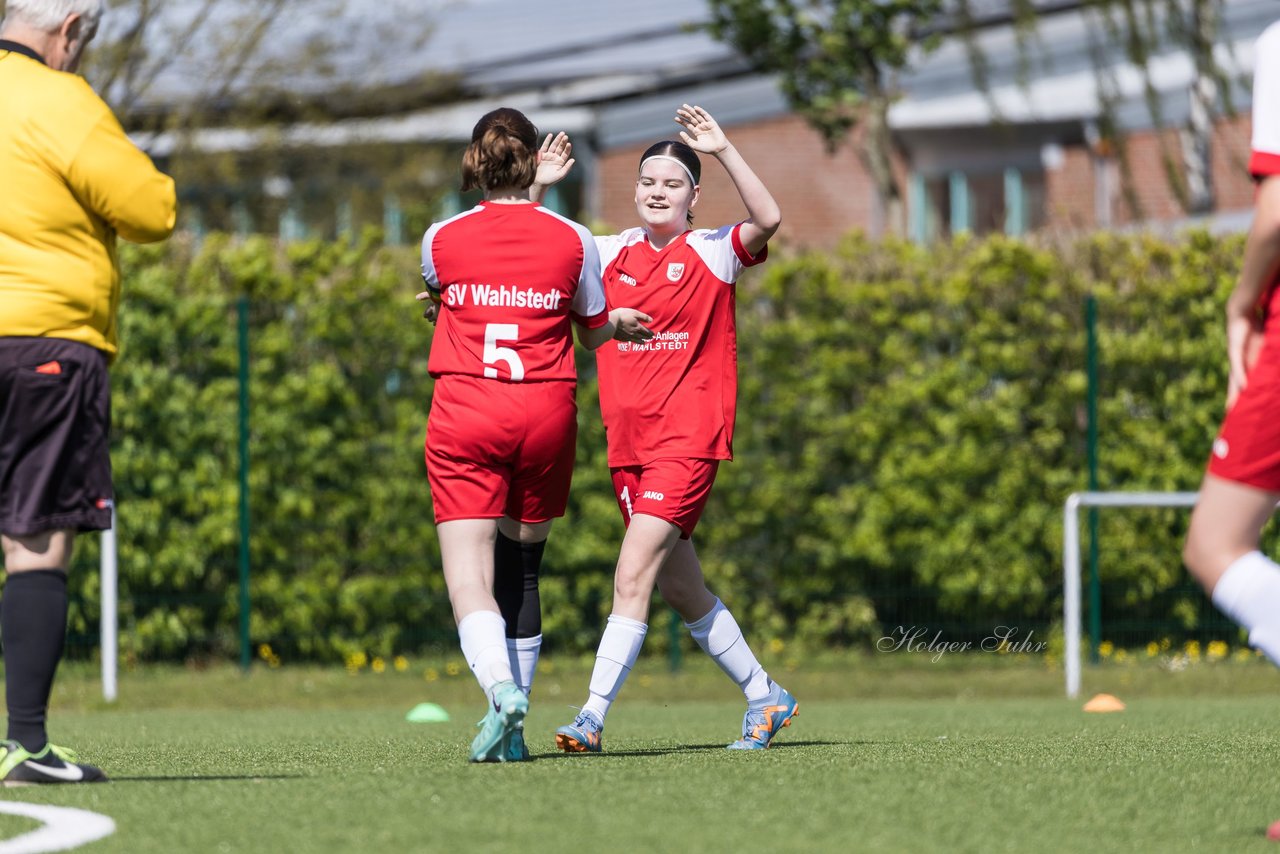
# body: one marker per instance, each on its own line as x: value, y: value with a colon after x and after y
x: 500, y: 449
x: 675, y: 490
x: 1247, y: 449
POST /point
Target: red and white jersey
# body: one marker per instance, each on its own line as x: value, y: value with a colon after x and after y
x: 675, y: 395
x: 510, y: 276
x: 1265, y: 157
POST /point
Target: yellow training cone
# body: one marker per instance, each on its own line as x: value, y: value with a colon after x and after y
x: 1104, y: 703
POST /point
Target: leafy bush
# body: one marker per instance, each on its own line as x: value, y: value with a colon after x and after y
x: 910, y: 423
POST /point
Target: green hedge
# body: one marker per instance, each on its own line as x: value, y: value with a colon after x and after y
x: 910, y: 423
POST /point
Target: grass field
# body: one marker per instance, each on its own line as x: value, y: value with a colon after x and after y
x: 971, y: 754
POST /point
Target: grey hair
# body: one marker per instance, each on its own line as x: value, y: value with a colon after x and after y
x: 48, y: 15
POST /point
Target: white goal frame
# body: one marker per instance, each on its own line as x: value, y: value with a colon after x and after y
x: 108, y: 629
x: 1071, y: 559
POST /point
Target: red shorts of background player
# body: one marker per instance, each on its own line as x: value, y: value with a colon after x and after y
x: 500, y: 449
x: 674, y: 490
x: 1247, y: 449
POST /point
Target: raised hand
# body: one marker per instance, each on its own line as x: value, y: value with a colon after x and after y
x: 700, y: 131
x: 554, y: 160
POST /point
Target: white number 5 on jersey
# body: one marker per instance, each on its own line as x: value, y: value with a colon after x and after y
x: 493, y: 333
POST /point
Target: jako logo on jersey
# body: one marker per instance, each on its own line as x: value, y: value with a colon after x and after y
x: 674, y: 272
x: 502, y: 296
x: 650, y: 494
x: 627, y: 280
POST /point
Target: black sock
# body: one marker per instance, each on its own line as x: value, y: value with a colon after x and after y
x: 515, y: 585
x: 33, y: 628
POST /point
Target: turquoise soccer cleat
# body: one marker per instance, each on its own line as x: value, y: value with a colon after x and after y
x: 516, y: 750
x: 508, y: 707
x: 759, y: 726
x: 581, y: 736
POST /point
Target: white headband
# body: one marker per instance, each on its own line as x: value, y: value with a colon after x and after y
x: 675, y: 160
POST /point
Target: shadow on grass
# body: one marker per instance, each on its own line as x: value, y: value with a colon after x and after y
x: 178, y: 778
x: 686, y: 748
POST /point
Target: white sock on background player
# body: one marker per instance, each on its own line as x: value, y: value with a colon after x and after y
x: 523, y: 655
x: 483, y: 635
x: 1249, y: 593
x: 719, y: 636
x: 617, y: 654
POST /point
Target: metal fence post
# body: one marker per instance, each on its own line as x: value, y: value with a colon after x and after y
x: 242, y: 335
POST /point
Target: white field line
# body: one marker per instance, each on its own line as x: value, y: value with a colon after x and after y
x: 64, y: 828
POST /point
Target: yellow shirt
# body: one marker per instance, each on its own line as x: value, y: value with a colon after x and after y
x: 70, y: 181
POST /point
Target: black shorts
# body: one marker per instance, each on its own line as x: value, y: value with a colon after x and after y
x: 55, y: 416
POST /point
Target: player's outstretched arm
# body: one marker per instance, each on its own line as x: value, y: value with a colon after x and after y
x: 625, y: 324
x: 1261, y: 267
x: 703, y: 134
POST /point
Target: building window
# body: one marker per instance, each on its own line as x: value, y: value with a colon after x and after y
x: 1009, y: 201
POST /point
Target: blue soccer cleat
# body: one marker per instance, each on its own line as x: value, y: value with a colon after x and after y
x: 759, y: 726
x: 508, y: 706
x: 581, y: 736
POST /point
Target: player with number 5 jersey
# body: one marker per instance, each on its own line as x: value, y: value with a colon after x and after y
x: 669, y: 406
x: 505, y: 281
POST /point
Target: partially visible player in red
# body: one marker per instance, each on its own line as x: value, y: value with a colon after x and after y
x: 1242, y: 486
x: 669, y: 407
x: 504, y: 280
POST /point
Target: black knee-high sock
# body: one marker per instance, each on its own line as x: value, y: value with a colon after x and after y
x: 515, y: 585
x: 33, y: 628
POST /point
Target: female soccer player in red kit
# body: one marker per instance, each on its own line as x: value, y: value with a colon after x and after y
x: 1242, y: 485
x: 669, y: 407
x: 504, y: 279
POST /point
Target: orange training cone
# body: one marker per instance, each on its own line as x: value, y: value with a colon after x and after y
x: 1104, y: 703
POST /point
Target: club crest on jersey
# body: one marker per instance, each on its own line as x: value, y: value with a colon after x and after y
x: 674, y: 272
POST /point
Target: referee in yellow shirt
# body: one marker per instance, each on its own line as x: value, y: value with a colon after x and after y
x: 72, y: 181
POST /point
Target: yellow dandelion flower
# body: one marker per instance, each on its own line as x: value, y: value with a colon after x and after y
x: 1217, y: 650
x: 1153, y: 649
x: 401, y: 664
x: 453, y: 668
x: 431, y: 674
x: 378, y: 665
x: 1106, y: 648
x: 776, y: 646
x: 264, y: 650
x: 1121, y: 656
x: 1165, y: 644
x: 1243, y: 654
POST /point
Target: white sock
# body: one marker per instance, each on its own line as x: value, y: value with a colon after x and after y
x: 719, y: 636
x: 1249, y: 593
x: 619, y: 649
x: 484, y: 645
x: 523, y: 655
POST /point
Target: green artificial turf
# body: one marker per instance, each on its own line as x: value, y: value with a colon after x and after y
x: 975, y: 755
